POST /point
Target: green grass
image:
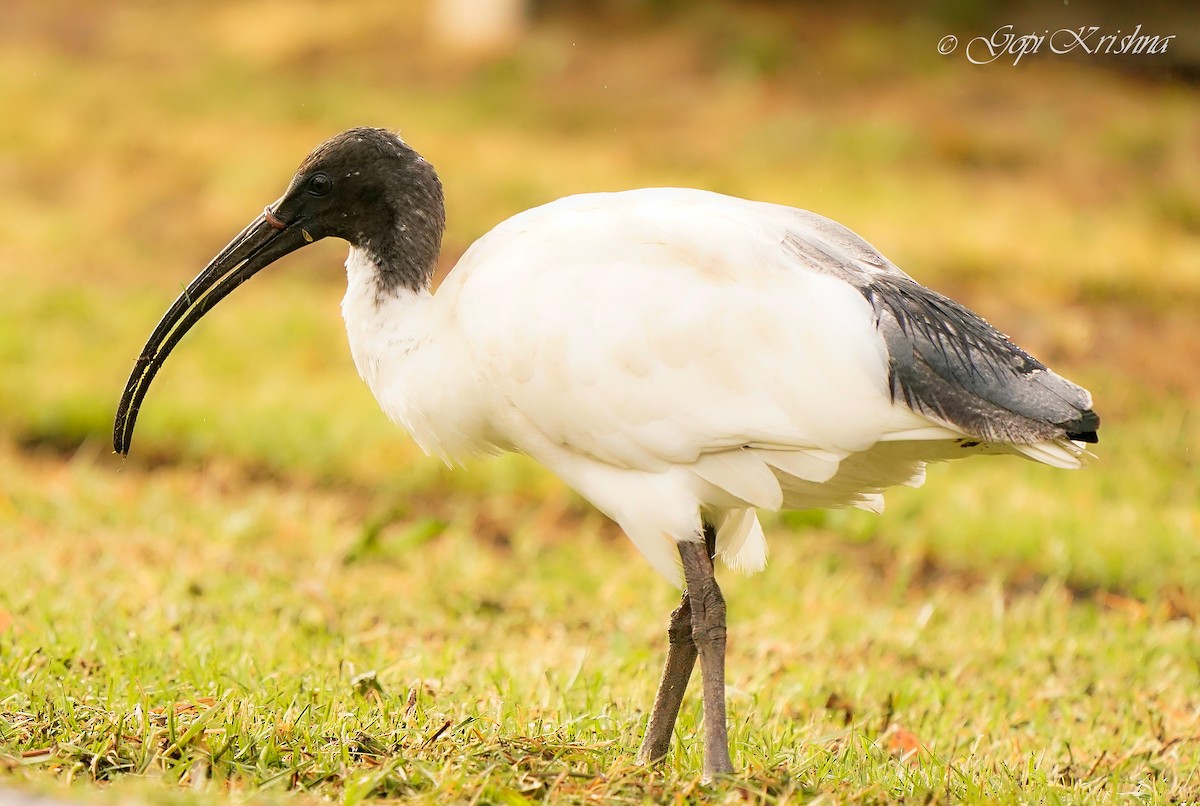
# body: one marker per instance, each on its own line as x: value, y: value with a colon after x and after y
x: 207, y: 631
x: 255, y: 606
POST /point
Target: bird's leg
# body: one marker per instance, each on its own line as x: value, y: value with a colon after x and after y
x: 681, y: 657
x: 708, y: 633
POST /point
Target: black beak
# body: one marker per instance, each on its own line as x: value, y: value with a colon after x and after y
x: 257, y: 246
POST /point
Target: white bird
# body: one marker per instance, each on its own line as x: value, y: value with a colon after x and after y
x: 681, y: 358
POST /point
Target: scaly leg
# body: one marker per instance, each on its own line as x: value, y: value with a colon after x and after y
x: 708, y: 633
x: 681, y: 657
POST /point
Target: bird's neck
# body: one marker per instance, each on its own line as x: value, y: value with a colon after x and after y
x: 406, y: 241
x: 383, y: 317
x: 401, y: 346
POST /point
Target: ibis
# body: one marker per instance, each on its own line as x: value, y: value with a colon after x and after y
x: 680, y: 358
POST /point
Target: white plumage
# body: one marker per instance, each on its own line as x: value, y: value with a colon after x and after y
x: 665, y: 355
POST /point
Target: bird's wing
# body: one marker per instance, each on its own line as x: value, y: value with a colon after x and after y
x: 660, y: 327
x: 652, y: 330
x: 949, y: 364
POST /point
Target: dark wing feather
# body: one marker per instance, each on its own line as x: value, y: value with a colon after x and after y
x: 949, y: 363
x: 946, y: 362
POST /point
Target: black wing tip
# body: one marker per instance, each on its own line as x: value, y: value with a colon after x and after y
x: 1084, y: 429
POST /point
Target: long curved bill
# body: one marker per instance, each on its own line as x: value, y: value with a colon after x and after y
x: 259, y: 245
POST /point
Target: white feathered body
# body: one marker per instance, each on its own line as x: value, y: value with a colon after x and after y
x: 664, y: 355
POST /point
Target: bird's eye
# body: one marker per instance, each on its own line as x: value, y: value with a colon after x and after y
x: 319, y: 184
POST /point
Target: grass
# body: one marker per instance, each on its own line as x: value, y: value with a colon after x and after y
x: 253, y: 606
x: 222, y: 635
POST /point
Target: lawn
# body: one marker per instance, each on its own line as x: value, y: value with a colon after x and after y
x: 278, y: 599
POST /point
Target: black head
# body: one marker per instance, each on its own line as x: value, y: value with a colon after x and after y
x: 365, y: 186
x: 368, y: 187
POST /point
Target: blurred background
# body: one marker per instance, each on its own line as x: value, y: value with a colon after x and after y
x: 1057, y: 194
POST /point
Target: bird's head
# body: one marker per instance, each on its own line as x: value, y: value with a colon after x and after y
x: 365, y: 186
